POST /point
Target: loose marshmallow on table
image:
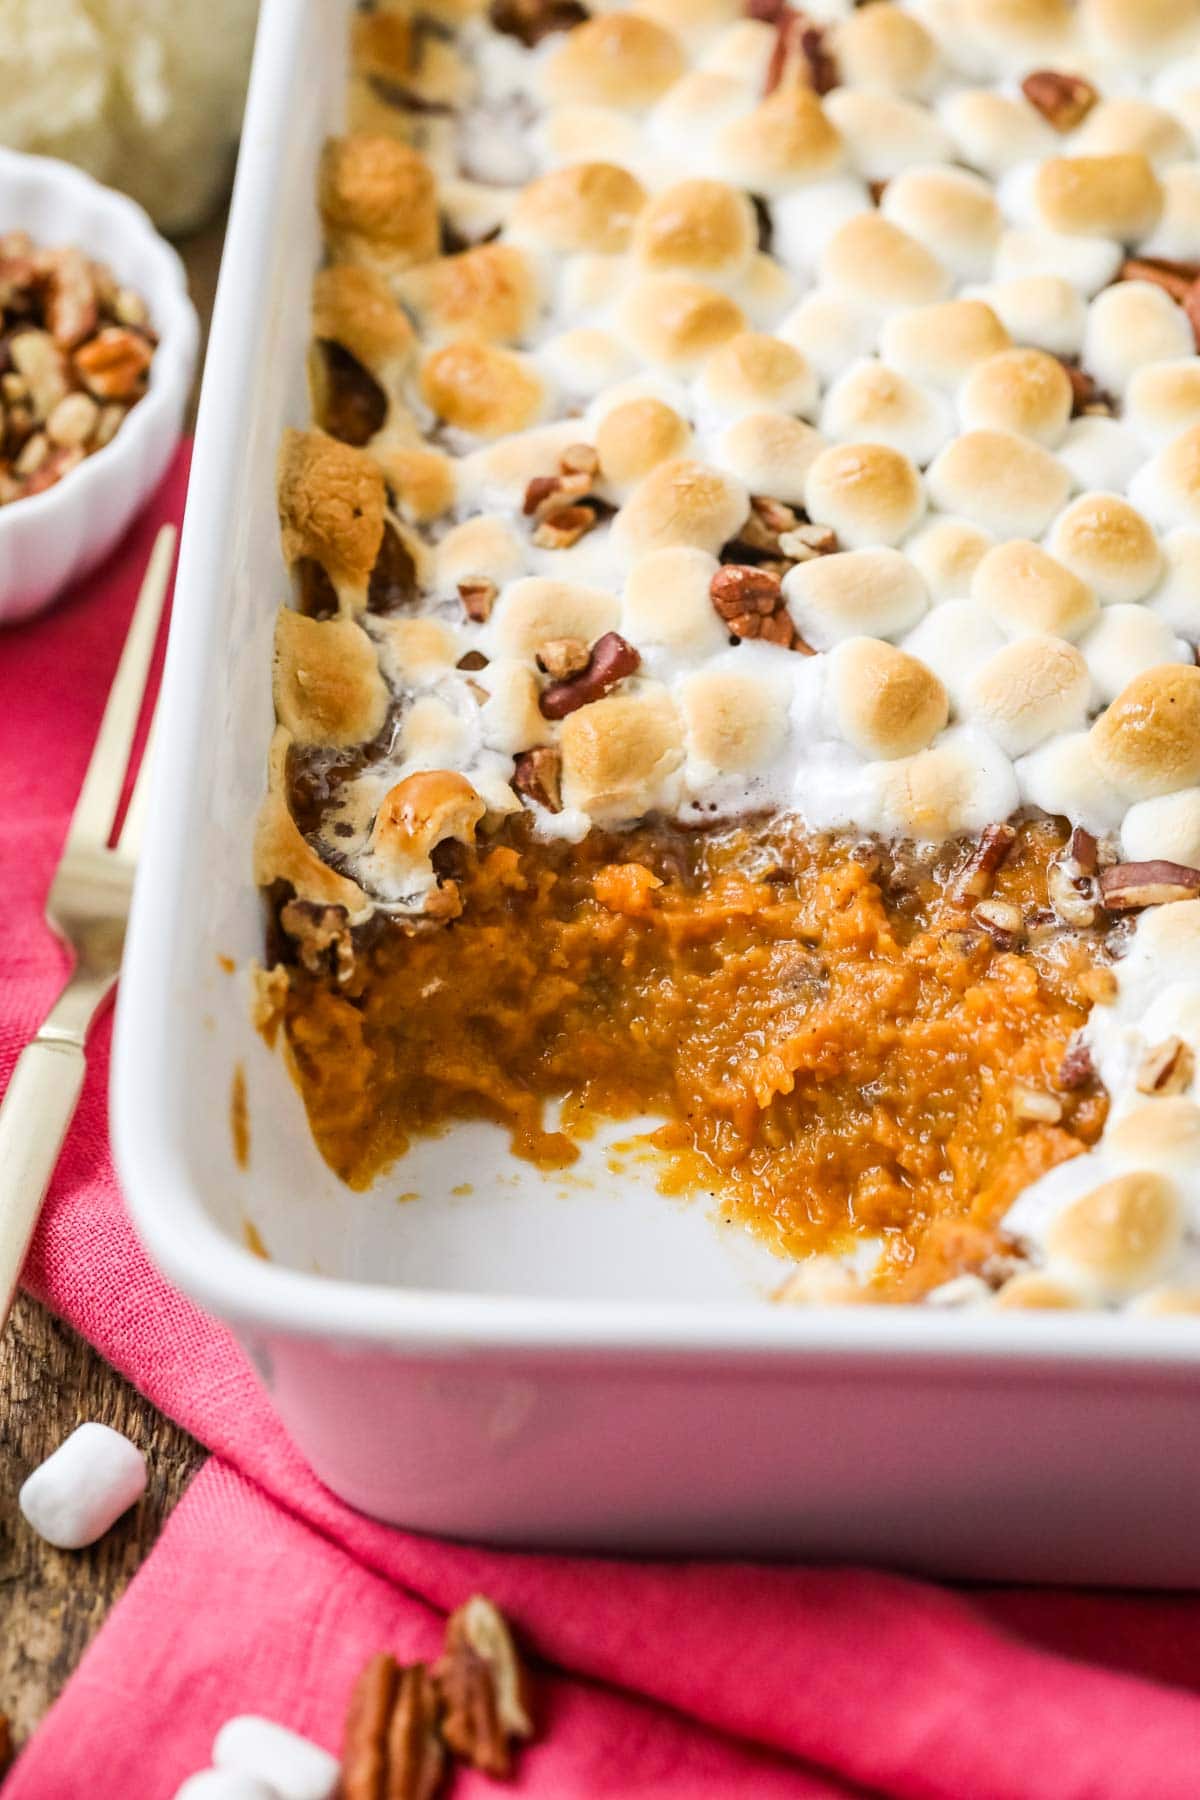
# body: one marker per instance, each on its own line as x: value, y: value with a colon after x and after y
x: 76, y: 1494
x: 225, y: 1784
x: 294, y: 1768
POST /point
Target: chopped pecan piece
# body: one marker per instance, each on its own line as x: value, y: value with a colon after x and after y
x: 321, y: 935
x: 483, y: 1688
x: 1191, y: 306
x: 800, y: 51
x: 750, y: 601
x: 1002, y: 921
x: 1088, y: 398
x: 800, y: 543
x: 538, y: 775
x: 545, y: 494
x: 612, y: 658
x: 1064, y: 101
x: 1126, y: 886
x: 985, y: 861
x: 471, y: 662
x: 560, y: 658
x: 478, y: 596
x: 579, y: 459
x: 1076, y: 1069
x: 113, y: 364
x: 529, y: 21
x: 1167, y: 1068
x: 1071, y: 881
x: 564, y: 527
x: 72, y: 301
x: 1035, y: 1105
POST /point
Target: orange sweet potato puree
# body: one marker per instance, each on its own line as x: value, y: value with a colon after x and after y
x: 832, y: 1044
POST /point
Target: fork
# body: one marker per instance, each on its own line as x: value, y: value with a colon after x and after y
x: 86, y: 910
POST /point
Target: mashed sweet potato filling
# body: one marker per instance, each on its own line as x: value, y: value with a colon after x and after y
x: 835, y: 1046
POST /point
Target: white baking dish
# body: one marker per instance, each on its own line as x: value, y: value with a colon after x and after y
x: 527, y: 1359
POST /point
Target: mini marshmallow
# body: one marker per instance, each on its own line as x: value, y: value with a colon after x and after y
x: 1043, y: 310
x: 952, y: 212
x: 1131, y: 324
x: 954, y: 640
x: 1087, y: 263
x: 771, y: 454
x: 292, y: 1766
x: 225, y: 1784
x: 830, y: 331
x: 946, y: 552
x: 1024, y: 589
x: 1100, y: 453
x: 1021, y: 390
x: 1167, y: 488
x: 1168, y: 827
x: 942, y: 343
x: 885, y: 48
x: 807, y: 220
x: 1063, y: 777
x: 1163, y: 399
x: 876, y: 404
x: 958, y: 786
x: 1004, y: 483
x: 876, y: 263
x: 1108, y: 544
x: 83, y: 1488
x: 885, y: 134
x: 1112, y: 196
x: 857, y: 593
x: 1177, y: 234
x: 995, y: 132
x: 1126, y: 123
x: 1036, y: 687
x: 1124, y: 641
x: 868, y: 493
x: 1177, y: 596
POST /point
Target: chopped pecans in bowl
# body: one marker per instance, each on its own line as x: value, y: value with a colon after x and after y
x: 75, y: 355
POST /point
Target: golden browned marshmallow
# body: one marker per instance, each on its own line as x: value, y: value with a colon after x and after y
x: 677, y: 322
x: 331, y: 509
x: 1125, y: 123
x: 621, y: 756
x: 667, y: 603
x: 1008, y: 484
x: 682, y: 502
x: 1168, y: 827
x: 734, y: 722
x: 876, y: 404
x: 857, y: 593
x: 1173, y: 479
x: 635, y: 437
x: 421, y: 481
x: 946, y: 553
x: 490, y: 292
x: 886, y: 702
x: 787, y: 139
x: 1163, y: 399
x: 482, y: 389
x: 1099, y: 196
x: 876, y: 262
x: 1141, y: 31
x: 417, y: 651
x: 1163, y: 1135
x: 1120, y: 1236
x: 282, y: 853
x: 1148, y: 740
x: 1108, y: 544
x: 616, y: 59
x: 952, y: 212
x: 771, y: 453
x: 511, y: 717
x: 1025, y: 590
x: 328, y: 689
x: 1035, y: 687
x: 1025, y: 391
x: 484, y: 546
x: 945, y: 791
x: 1131, y: 324
x: 422, y: 811
x: 698, y: 227
x: 354, y: 307
x: 753, y: 370
x: 1035, y: 1290
x: 538, y: 608
x: 1164, y: 1302
x: 884, y: 47
x: 868, y: 493
x: 942, y: 343
x: 885, y: 134
x: 1018, y: 29
x: 378, y: 202
x: 587, y: 206
x: 695, y: 20
x: 995, y: 132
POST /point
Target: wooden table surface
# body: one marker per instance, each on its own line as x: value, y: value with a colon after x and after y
x: 52, y: 1601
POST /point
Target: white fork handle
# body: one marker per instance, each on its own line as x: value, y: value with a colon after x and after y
x: 37, y: 1110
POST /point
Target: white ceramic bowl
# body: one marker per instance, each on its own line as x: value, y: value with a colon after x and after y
x: 50, y: 540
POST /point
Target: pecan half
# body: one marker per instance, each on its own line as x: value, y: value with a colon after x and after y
x: 537, y: 774
x: 1167, y: 1068
x: 483, y: 1687
x: 612, y: 658
x: 478, y: 596
x: 1126, y: 886
x: 985, y: 861
x: 1064, y: 101
x: 392, y: 1748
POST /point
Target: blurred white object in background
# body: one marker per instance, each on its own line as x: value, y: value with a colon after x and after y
x: 145, y: 94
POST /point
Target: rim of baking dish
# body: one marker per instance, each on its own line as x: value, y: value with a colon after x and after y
x: 228, y: 1279
x: 172, y: 315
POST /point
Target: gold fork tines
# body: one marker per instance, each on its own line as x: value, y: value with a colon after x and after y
x: 86, y: 909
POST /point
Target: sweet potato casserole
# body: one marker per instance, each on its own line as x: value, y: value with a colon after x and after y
x: 741, y: 664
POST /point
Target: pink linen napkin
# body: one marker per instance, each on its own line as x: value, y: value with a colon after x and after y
x: 686, y: 1679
